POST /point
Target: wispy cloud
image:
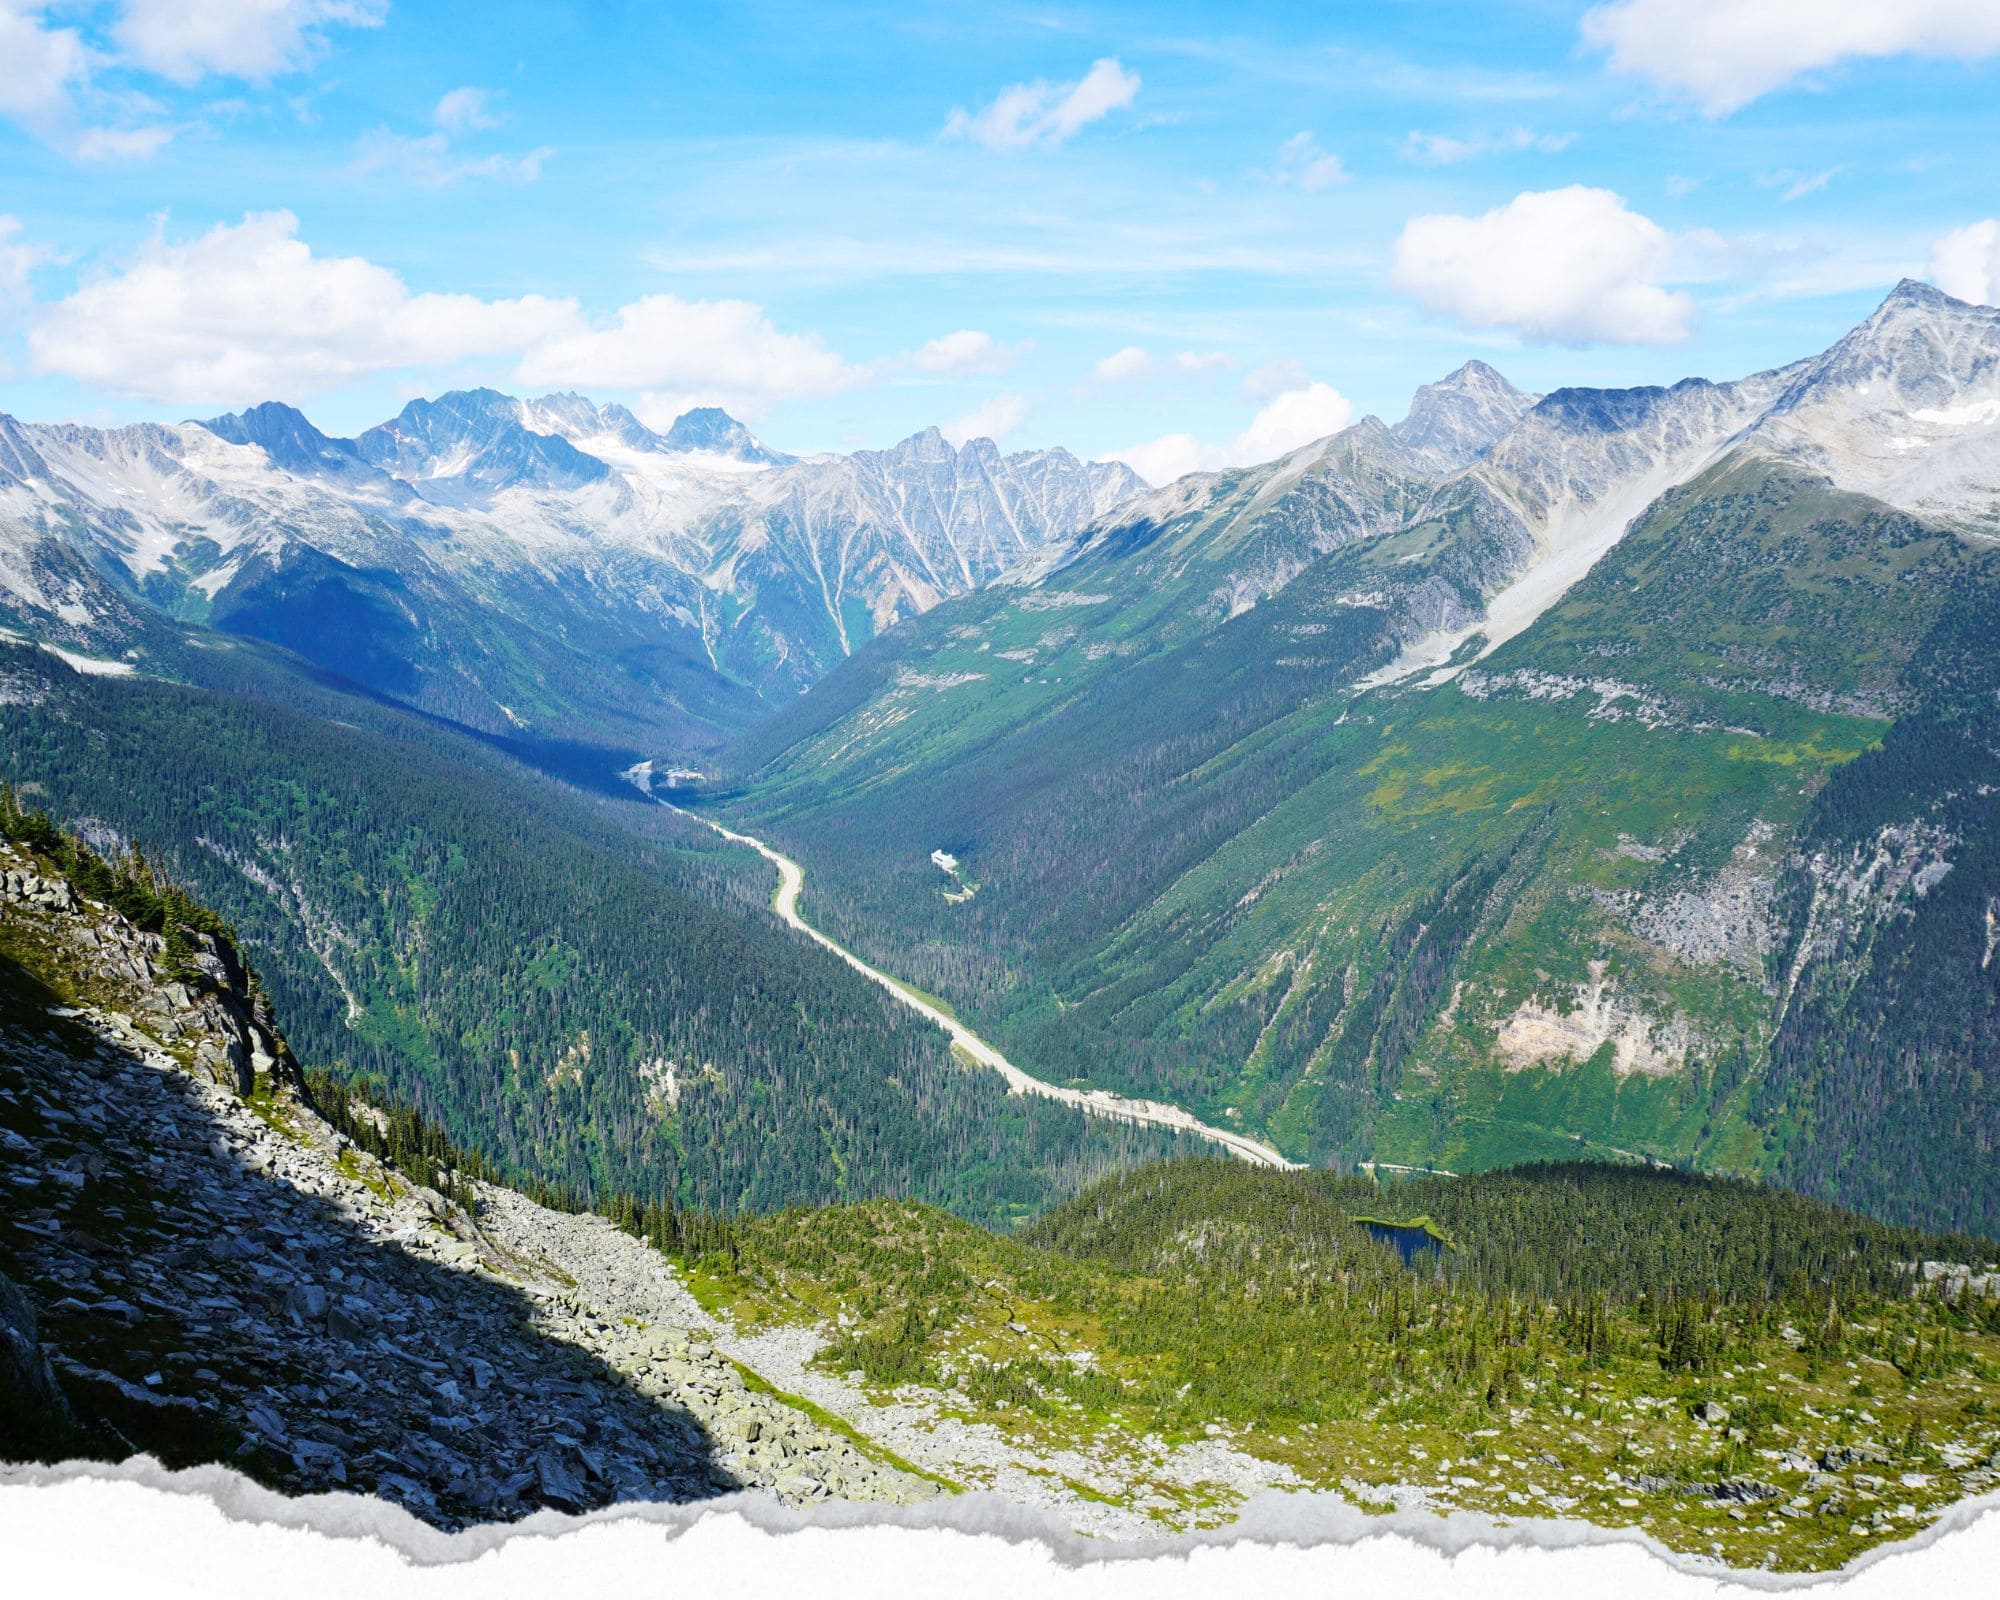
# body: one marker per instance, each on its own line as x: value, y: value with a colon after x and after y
x: 53, y: 79
x: 1797, y: 185
x: 430, y: 161
x: 1043, y: 115
x: 466, y: 110
x: 18, y: 259
x: 1442, y: 149
x: 995, y: 420
x: 822, y: 258
x: 1304, y: 165
x: 434, y: 159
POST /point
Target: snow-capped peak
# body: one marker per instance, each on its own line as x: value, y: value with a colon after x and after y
x: 289, y: 441
x: 472, y: 443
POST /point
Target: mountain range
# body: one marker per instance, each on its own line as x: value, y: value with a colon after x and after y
x: 548, y: 569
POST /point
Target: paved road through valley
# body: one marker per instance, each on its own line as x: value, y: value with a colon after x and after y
x: 1093, y: 1102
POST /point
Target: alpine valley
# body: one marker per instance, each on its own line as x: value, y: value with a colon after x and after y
x: 1553, y: 839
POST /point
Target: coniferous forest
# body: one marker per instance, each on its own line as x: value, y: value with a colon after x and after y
x: 578, y: 985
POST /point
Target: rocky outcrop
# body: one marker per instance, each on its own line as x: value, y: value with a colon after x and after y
x: 204, y: 1269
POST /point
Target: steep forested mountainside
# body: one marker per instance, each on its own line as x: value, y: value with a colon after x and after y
x: 587, y: 989
x: 1888, y: 956
x: 549, y: 568
x: 1510, y: 821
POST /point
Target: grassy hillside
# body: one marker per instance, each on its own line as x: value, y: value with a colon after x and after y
x: 1540, y: 909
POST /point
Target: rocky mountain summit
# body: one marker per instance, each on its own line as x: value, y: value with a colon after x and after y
x: 196, y: 1264
x: 1456, y: 420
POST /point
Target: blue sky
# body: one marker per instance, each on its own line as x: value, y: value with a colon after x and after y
x: 1192, y: 233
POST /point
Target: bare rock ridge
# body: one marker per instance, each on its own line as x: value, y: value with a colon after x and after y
x: 195, y: 1264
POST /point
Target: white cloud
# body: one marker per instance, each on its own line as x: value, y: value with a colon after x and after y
x: 1027, y: 115
x: 999, y: 417
x: 1442, y: 149
x: 1303, y: 163
x: 1288, y: 419
x: 965, y: 351
x: 1565, y: 266
x: 1121, y: 366
x: 255, y: 39
x: 120, y: 144
x: 465, y: 110
x: 430, y: 161
x: 1965, y: 263
x: 1132, y: 363
x: 45, y: 66
x: 248, y: 312
x: 1723, y: 54
x: 691, y: 352
x: 45, y: 82
x: 17, y: 260
x: 1679, y: 187
x: 48, y: 74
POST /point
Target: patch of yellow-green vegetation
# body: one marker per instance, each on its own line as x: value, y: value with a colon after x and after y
x: 925, y: 996
x: 870, y: 1448
x: 276, y: 1111
x: 367, y: 1172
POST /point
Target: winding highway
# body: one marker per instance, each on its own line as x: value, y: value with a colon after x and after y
x: 1092, y: 1102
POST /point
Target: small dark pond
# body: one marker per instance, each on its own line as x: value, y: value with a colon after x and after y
x: 1411, y: 1239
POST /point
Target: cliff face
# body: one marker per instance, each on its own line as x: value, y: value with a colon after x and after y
x: 196, y: 1001
x: 196, y: 1265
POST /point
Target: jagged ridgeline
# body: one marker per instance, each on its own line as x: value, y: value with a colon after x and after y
x: 584, y: 989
